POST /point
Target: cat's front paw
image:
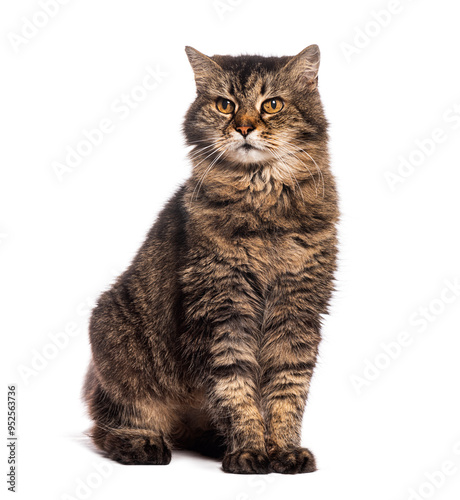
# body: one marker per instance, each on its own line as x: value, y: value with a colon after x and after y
x: 292, y: 461
x: 246, y: 462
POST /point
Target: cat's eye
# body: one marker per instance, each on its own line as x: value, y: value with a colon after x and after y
x: 273, y: 105
x: 225, y: 106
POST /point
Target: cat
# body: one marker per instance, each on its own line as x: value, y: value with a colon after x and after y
x: 209, y: 339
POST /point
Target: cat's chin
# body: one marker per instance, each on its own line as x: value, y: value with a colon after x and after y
x: 250, y: 154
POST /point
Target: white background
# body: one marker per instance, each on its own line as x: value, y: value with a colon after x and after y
x: 63, y: 241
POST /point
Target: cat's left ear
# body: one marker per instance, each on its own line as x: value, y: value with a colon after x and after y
x: 305, y: 65
x: 204, y: 67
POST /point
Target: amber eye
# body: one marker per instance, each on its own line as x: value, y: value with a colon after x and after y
x: 225, y: 106
x: 273, y: 105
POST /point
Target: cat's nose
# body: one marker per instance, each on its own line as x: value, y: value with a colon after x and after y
x: 244, y: 131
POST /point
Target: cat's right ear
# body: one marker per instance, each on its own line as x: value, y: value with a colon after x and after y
x: 204, y: 67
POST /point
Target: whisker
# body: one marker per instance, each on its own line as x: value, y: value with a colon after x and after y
x: 194, y: 154
x: 288, y: 169
x: 290, y: 152
x: 313, y: 160
x: 214, y: 150
x: 204, y: 175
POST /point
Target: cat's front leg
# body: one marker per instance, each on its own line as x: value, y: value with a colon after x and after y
x: 288, y: 357
x: 235, y: 407
x: 234, y: 401
x: 225, y: 315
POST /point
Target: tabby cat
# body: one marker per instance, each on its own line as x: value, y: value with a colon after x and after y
x: 209, y: 339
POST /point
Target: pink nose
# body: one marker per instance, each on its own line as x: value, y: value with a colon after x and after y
x: 244, y: 131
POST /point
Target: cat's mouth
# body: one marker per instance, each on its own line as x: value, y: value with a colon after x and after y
x: 247, y: 146
x: 249, y: 153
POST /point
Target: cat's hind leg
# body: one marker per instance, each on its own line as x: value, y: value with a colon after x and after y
x: 132, y: 446
x: 131, y: 434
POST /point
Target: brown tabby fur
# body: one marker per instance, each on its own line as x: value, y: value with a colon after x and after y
x: 209, y: 339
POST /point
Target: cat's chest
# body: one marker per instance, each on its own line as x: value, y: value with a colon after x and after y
x: 285, y: 252
x: 268, y: 257
x: 261, y: 241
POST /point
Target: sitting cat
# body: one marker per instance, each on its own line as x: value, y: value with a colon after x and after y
x: 209, y: 339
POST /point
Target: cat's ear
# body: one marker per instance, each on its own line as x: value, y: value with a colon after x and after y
x: 203, y: 67
x: 305, y: 65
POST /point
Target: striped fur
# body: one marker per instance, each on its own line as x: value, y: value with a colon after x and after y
x: 209, y: 339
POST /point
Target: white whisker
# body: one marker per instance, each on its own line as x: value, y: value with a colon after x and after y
x: 199, y: 184
x: 287, y: 146
x: 312, y: 159
x: 288, y: 169
x: 194, y: 154
x: 289, y: 152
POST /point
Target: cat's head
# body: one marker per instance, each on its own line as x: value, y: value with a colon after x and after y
x: 253, y: 109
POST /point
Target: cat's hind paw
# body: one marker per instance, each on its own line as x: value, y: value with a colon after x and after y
x: 137, y: 450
